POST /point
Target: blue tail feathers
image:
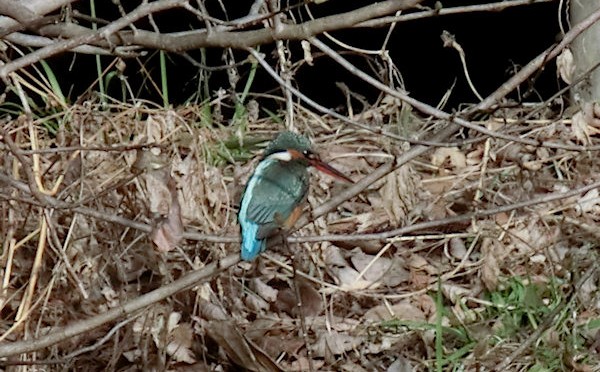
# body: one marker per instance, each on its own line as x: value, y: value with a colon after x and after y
x: 251, y: 246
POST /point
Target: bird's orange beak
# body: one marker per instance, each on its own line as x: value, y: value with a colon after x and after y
x: 328, y: 169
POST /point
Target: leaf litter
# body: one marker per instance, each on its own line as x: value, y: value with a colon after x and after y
x: 365, y: 304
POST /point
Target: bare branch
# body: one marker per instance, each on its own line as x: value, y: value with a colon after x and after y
x: 339, y: 116
x: 493, y: 7
x: 128, y: 308
x: 430, y: 225
x: 189, y: 40
x: 51, y: 202
x: 486, y: 104
x: 40, y: 41
x: 245, y: 39
x: 27, y: 12
x: 537, y: 63
x: 139, y: 12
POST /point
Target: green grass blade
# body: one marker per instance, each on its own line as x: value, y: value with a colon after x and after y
x: 439, y: 332
x: 98, y: 60
x: 240, y: 109
x: 54, y: 85
x: 163, y: 79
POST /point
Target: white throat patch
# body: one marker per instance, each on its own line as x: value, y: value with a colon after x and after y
x: 283, y: 156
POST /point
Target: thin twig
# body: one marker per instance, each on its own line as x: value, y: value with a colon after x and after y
x: 327, y: 207
x: 343, y: 118
x: 429, y: 225
x: 493, y: 7
x: 299, y: 305
x: 516, y: 80
x: 69, y: 357
x: 52, y: 202
x: 130, y: 307
x: 60, y: 249
x: 450, y: 42
x: 61, y: 46
x: 25, y: 166
x: 192, y: 40
x: 117, y: 148
x: 484, y: 105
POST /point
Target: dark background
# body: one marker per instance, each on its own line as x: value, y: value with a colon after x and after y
x: 496, y: 45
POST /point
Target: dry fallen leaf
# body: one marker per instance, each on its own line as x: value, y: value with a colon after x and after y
x: 301, y: 364
x: 528, y: 239
x: 256, y: 303
x: 400, y: 365
x: 274, y: 345
x: 403, y: 310
x: 264, y: 290
x: 348, y: 279
x: 565, y: 65
x: 579, y: 128
x: 476, y: 156
x: 588, y: 290
x: 179, y: 346
x: 584, y: 125
x: 426, y: 304
x: 420, y: 263
x: 385, y: 343
x: 179, y: 336
x: 420, y: 280
x: 210, y: 311
x: 490, y: 271
x: 158, y: 192
x: 454, y: 292
x: 457, y: 248
x: 275, y: 336
x: 397, y: 273
x: 351, y: 366
x: 457, y: 159
x: 242, y: 351
x: 377, y: 267
x: 311, y: 300
x: 399, y: 192
x: 333, y: 343
x: 334, y: 257
x: 169, y: 231
x: 370, y: 221
x: 204, y: 194
x: 417, y: 262
x: 588, y: 202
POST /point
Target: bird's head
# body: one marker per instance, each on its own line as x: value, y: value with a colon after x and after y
x: 289, y: 146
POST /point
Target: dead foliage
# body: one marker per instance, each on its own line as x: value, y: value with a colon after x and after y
x: 368, y: 304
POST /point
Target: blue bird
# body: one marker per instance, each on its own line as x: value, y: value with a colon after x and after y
x: 276, y: 190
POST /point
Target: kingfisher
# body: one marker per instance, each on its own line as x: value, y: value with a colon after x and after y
x: 274, y: 194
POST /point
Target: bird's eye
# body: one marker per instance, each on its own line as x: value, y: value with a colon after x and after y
x: 308, y: 154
